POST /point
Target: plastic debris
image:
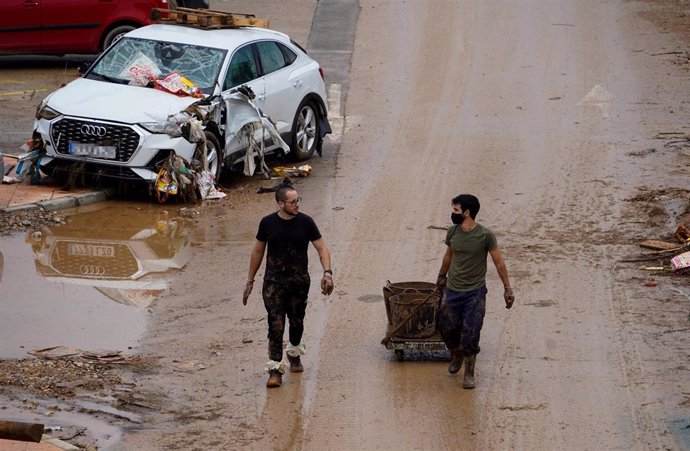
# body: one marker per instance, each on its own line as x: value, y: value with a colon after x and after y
x: 175, y: 83
x: 140, y: 71
x: 294, y: 171
x: 681, y: 263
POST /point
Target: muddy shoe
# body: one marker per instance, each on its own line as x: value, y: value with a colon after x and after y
x: 456, y: 362
x: 275, y: 379
x: 468, y: 380
x: 295, y: 364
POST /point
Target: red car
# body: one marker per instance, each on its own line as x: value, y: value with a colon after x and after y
x: 57, y: 27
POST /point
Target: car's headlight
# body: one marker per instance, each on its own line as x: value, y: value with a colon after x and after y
x: 167, y: 128
x: 45, y: 112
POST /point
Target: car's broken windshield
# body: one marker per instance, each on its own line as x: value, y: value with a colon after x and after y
x: 138, y: 61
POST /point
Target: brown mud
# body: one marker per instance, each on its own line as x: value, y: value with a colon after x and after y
x: 548, y: 114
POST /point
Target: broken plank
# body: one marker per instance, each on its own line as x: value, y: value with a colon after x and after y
x: 658, y: 245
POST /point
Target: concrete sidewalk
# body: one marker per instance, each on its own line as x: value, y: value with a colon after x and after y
x: 24, y: 196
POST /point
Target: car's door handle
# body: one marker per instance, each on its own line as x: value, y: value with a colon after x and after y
x: 30, y: 3
x: 261, y: 97
x: 297, y: 83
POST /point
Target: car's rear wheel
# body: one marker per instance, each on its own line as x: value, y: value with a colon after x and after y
x: 306, y: 137
x: 213, y: 155
x: 115, y: 33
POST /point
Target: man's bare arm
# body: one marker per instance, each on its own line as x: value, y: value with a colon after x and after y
x: 324, y: 253
x: 508, y: 295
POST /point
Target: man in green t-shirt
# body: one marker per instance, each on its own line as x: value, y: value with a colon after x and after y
x: 463, y: 272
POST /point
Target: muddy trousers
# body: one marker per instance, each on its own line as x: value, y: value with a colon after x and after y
x: 283, y: 300
x: 460, y: 318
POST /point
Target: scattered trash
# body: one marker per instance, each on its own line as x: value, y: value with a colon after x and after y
x: 649, y: 284
x: 294, y: 171
x: 681, y: 263
x: 51, y: 429
x: 25, y: 432
x: 55, y: 352
x: 175, y: 83
x: 682, y: 234
x: 65, y: 352
x: 658, y: 245
x: 207, y: 186
x: 338, y: 208
x: 247, y: 340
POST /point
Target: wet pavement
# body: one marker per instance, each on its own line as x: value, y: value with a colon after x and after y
x: 48, y: 196
x: 87, y: 283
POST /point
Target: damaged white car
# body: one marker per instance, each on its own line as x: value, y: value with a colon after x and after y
x: 219, y: 96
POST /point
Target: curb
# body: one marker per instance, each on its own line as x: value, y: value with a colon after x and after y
x: 63, y: 202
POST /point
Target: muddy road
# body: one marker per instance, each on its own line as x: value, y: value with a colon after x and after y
x: 569, y: 120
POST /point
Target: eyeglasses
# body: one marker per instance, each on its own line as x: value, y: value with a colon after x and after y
x: 293, y: 202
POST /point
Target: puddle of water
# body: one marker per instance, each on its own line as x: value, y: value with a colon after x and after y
x: 87, y: 284
x: 105, y: 435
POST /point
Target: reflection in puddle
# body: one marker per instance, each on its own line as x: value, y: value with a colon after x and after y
x: 115, y: 253
x: 60, y: 289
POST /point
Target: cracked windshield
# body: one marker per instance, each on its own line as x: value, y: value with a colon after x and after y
x: 139, y: 61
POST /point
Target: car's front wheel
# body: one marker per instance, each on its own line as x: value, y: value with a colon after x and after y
x: 306, y: 137
x: 213, y: 155
x: 115, y: 33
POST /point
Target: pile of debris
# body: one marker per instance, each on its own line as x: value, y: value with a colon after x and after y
x: 673, y: 257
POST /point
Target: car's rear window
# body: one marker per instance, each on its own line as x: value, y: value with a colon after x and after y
x: 133, y: 60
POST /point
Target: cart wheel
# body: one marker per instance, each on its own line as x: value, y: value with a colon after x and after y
x: 399, y: 355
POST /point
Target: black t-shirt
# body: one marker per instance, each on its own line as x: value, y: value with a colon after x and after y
x: 288, y: 241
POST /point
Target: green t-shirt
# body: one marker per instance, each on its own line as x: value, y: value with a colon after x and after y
x: 467, y: 270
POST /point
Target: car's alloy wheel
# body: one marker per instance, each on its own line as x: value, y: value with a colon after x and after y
x: 305, y: 132
x: 212, y: 155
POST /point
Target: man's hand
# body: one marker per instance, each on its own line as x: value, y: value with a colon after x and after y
x: 327, y: 284
x: 509, y: 297
x: 441, y: 281
x: 247, y: 291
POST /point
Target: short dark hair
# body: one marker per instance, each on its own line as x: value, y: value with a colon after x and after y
x: 281, y: 193
x: 467, y: 202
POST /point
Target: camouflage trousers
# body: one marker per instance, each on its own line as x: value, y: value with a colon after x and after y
x: 283, y: 300
x: 460, y: 318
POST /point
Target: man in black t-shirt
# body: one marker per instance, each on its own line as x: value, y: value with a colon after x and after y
x: 286, y: 280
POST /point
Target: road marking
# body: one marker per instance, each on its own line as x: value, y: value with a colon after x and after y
x: 334, y: 94
x: 335, y: 115
x: 18, y: 93
x: 596, y: 96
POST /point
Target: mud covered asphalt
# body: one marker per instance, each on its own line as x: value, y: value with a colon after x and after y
x: 567, y: 119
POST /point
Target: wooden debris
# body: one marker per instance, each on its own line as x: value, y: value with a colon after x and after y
x: 682, y: 234
x: 25, y: 432
x: 658, y: 245
x: 206, y: 18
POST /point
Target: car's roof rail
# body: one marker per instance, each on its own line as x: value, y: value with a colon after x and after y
x: 205, y: 18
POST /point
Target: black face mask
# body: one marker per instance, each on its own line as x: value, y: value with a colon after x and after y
x: 457, y: 218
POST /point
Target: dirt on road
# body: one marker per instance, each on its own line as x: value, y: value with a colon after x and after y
x: 569, y: 121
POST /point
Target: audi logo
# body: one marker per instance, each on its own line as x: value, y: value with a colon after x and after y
x: 92, y: 270
x: 92, y: 130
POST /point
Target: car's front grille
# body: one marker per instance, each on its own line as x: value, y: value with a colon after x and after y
x: 121, y: 265
x: 123, y: 137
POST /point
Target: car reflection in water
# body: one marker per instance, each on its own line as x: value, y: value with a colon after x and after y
x: 125, y: 253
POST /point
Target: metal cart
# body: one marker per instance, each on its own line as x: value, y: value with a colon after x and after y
x: 411, y: 321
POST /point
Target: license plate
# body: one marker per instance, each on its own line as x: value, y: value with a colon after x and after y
x: 90, y: 250
x: 93, y: 150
